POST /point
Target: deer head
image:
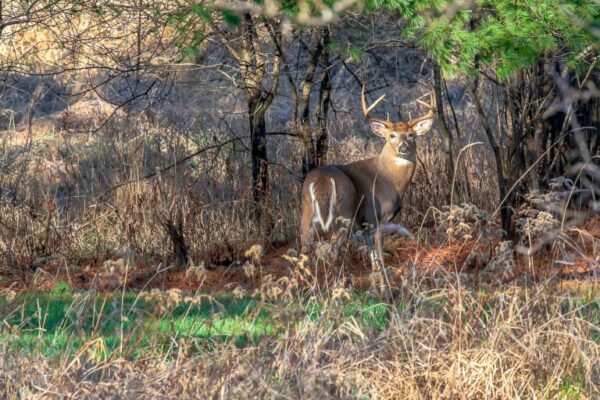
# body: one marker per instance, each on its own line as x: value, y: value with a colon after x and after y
x: 399, y: 136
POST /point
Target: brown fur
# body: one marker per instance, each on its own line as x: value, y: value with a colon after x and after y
x: 323, y: 191
x: 370, y: 191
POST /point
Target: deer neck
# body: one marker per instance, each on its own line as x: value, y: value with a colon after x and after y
x: 399, y: 171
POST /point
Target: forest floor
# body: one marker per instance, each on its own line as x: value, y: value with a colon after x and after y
x: 427, y: 259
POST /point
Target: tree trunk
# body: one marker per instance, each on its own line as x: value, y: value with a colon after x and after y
x: 593, y: 121
x: 258, y: 152
x: 506, y: 210
x: 515, y: 156
x: 308, y: 143
x: 447, y: 135
x: 175, y: 231
x: 324, y: 99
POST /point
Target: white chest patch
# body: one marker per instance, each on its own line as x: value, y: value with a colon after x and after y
x: 402, y: 161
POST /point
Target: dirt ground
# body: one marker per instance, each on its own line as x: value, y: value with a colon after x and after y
x: 469, y: 258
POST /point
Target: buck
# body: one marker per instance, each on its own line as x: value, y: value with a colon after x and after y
x: 369, y: 192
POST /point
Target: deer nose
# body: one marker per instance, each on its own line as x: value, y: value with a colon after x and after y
x: 403, y: 148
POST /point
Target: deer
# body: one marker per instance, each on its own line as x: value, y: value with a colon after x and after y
x: 366, y: 194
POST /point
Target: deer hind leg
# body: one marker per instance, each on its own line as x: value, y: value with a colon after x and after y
x: 329, y: 198
x: 307, y: 232
x: 340, y: 236
x: 392, y: 228
x: 319, y: 197
x: 345, y: 210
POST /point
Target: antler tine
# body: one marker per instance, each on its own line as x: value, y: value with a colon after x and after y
x: 421, y: 102
x: 431, y: 108
x: 366, y: 110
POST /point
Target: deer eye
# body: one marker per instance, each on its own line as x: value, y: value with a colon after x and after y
x: 411, y: 135
x: 393, y: 137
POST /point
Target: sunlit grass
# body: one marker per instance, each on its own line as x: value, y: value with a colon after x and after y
x: 486, y: 343
x: 54, y: 323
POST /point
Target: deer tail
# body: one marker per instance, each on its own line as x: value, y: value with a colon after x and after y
x: 320, y: 199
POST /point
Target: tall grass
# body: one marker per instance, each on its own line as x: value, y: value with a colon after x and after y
x: 433, y: 341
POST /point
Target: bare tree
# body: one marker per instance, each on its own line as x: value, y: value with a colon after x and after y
x: 258, y: 64
x: 318, y: 71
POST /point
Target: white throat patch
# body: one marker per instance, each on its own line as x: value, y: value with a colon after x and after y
x: 402, y: 161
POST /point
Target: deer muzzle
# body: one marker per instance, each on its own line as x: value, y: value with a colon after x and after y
x: 403, y: 149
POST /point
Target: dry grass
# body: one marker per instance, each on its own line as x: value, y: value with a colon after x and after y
x: 445, y: 341
x: 58, y: 193
x: 65, y: 194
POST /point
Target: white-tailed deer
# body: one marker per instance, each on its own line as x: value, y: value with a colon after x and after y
x: 368, y: 192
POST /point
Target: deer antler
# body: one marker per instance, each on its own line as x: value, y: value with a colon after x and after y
x: 366, y: 110
x: 430, y: 114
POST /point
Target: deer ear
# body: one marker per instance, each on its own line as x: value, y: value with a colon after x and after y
x: 422, y: 127
x: 378, y: 127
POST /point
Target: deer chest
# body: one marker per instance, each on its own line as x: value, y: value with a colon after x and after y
x: 381, y: 208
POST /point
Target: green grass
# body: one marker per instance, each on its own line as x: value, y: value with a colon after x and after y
x: 61, y: 322
x: 71, y: 337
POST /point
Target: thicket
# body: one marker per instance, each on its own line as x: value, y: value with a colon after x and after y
x: 526, y: 72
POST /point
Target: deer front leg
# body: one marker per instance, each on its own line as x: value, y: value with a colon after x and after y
x: 375, y: 249
x: 380, y: 281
